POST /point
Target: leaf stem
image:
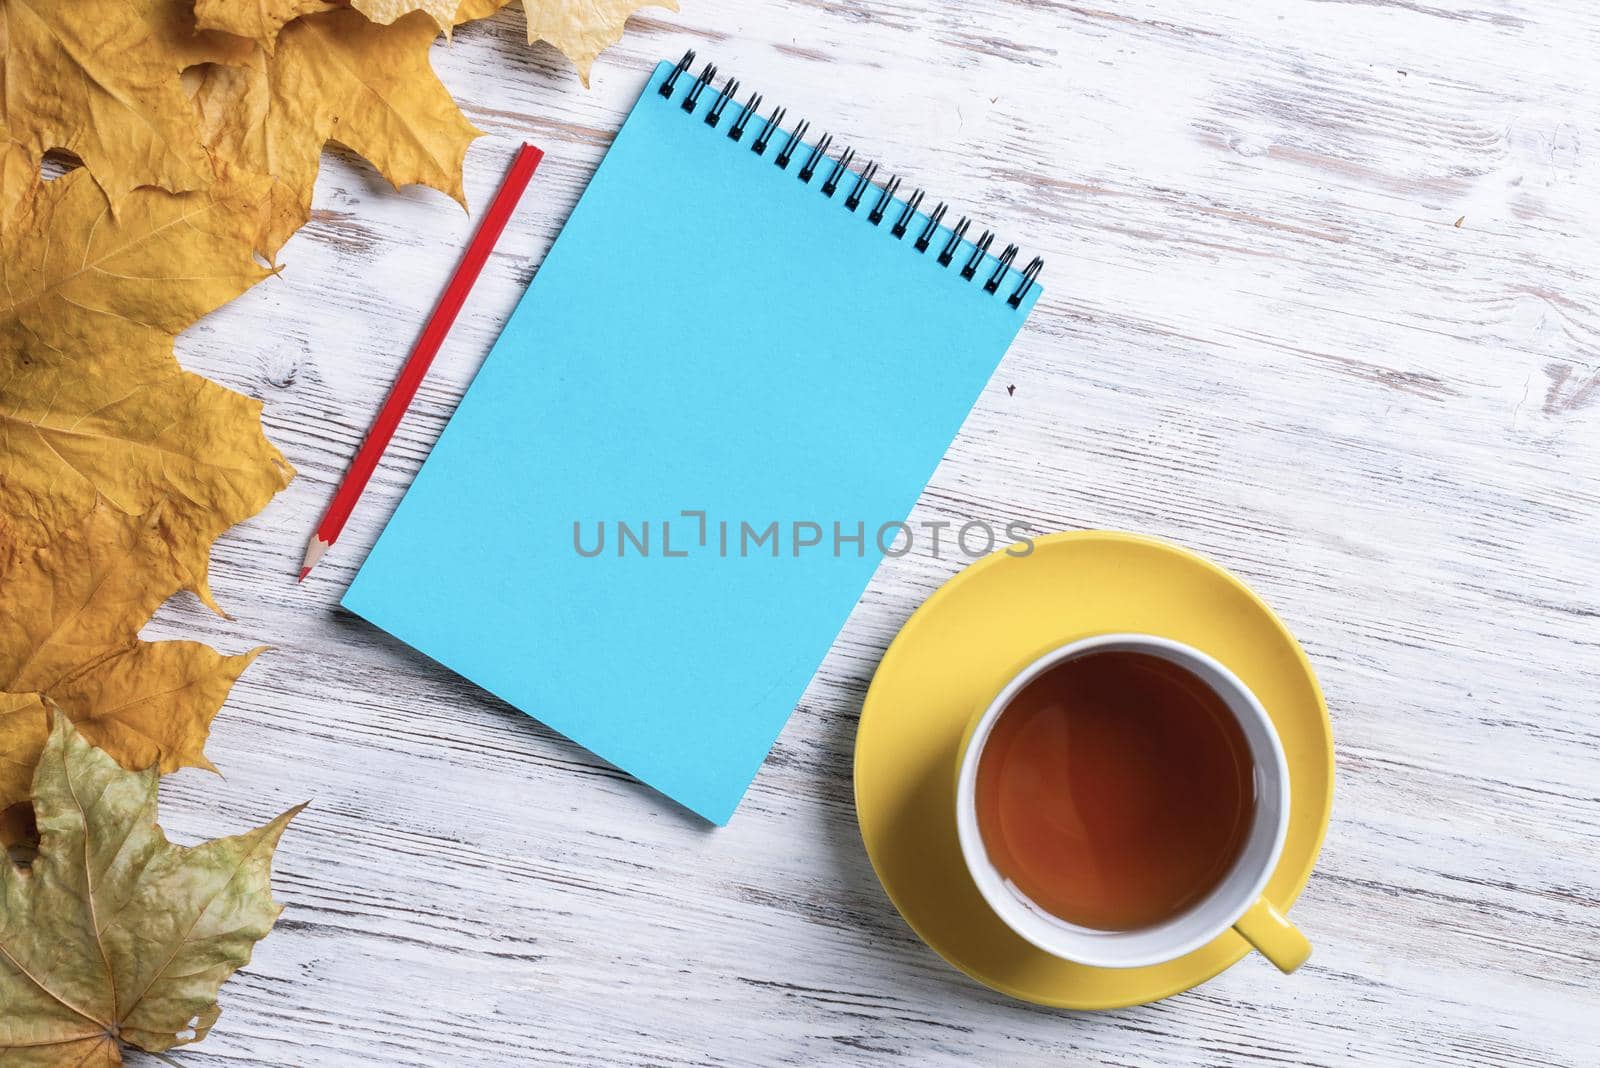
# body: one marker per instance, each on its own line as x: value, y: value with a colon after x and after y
x: 164, y: 1057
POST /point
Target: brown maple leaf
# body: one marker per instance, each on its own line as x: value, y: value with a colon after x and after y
x: 114, y: 935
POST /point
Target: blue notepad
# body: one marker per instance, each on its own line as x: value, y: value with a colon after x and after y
x: 714, y: 345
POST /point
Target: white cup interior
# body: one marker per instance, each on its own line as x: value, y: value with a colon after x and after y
x: 1206, y: 918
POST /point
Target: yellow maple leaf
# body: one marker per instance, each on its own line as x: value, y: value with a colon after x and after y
x: 443, y: 12
x: 92, y: 403
x: 115, y: 935
x: 100, y: 79
x: 581, y: 29
x: 259, y: 20
x: 18, y: 179
x: 336, y: 76
x: 24, y: 726
x: 70, y: 614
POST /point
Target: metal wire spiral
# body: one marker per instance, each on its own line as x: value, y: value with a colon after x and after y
x: 817, y: 156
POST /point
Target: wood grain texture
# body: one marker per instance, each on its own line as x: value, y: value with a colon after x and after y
x: 1322, y: 304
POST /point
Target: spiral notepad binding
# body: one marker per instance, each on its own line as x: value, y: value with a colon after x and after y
x: 858, y: 185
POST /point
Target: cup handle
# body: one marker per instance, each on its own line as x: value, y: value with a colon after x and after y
x: 1280, y: 941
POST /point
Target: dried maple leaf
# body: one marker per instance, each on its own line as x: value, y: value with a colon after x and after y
x: 18, y: 176
x: 117, y: 468
x: 70, y: 615
x: 581, y: 29
x: 99, y: 78
x: 338, y: 77
x: 115, y: 935
x: 443, y: 12
x: 24, y: 726
x: 259, y: 20
x: 92, y: 403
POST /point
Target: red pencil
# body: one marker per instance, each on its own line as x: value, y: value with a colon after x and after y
x: 416, y: 366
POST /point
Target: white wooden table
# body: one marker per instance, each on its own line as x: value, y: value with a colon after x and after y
x: 1323, y: 303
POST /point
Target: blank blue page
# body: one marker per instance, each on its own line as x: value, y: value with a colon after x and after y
x: 708, y: 334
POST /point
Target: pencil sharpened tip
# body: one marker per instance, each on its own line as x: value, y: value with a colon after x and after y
x: 314, y: 550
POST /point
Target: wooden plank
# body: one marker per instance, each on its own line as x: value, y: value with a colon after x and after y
x: 1322, y: 305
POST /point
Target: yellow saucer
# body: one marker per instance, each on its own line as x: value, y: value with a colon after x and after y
x: 953, y: 656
